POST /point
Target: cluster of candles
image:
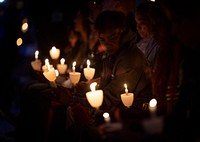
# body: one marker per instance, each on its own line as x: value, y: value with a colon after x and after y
x: 94, y: 97
x: 48, y: 69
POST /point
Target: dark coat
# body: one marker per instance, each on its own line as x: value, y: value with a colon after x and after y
x: 128, y: 66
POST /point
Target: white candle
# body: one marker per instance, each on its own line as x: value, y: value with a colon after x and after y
x: 74, y: 77
x: 62, y: 67
x: 50, y: 74
x: 127, y: 98
x: 46, y: 65
x: 153, y: 125
x: 94, y: 97
x: 106, y: 117
x: 88, y: 72
x: 57, y: 73
x: 62, y: 61
x: 153, y: 106
x: 54, y: 52
x: 36, y: 54
x: 46, y: 61
x: 36, y: 65
x: 73, y: 66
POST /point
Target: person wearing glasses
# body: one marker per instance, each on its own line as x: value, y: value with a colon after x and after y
x: 124, y: 62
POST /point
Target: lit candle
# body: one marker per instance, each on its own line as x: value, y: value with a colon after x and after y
x: 74, y: 77
x: 54, y: 52
x: 127, y: 98
x: 126, y: 89
x: 46, y: 65
x: 154, y: 124
x: 50, y: 74
x: 73, y: 66
x: 36, y: 54
x: 36, y: 65
x: 88, y: 63
x: 94, y: 97
x: 106, y: 117
x: 57, y: 73
x: 153, y: 106
x: 46, y: 61
x: 62, y: 61
x: 62, y: 67
x: 88, y: 72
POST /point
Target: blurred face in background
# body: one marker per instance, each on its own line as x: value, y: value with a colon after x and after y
x: 110, y: 39
x: 143, y: 27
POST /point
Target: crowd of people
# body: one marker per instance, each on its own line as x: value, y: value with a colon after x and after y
x: 152, y: 46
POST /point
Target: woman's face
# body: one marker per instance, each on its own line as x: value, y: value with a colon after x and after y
x: 143, y: 27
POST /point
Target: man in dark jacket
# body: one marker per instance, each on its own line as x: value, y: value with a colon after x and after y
x: 124, y: 62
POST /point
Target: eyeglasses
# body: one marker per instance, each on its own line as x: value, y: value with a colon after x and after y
x: 110, y: 37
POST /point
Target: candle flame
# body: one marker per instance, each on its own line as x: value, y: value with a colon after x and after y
x: 46, y: 62
x: 126, y: 89
x: 93, y: 86
x: 62, y: 61
x: 36, y: 54
x: 53, y: 49
x: 125, y: 85
x: 74, y: 64
x: 106, y: 115
x: 153, y: 103
x: 88, y: 63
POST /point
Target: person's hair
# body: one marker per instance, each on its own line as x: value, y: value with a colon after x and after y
x: 107, y: 20
x: 150, y: 13
x: 144, y: 9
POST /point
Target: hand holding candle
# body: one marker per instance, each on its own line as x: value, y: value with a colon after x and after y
x: 127, y: 98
